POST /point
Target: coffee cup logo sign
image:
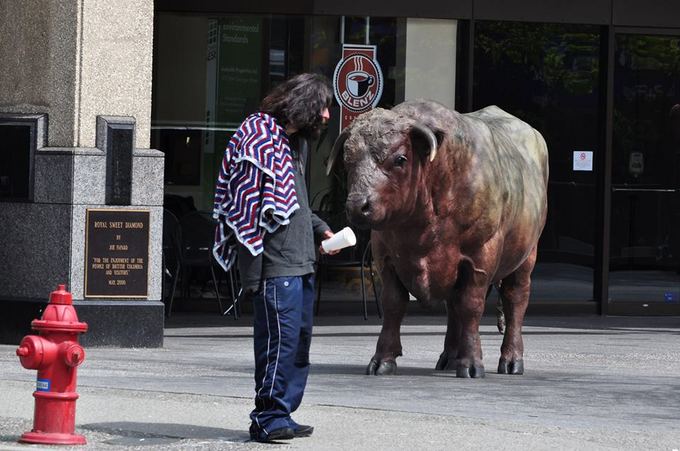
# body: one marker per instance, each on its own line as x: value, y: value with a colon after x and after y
x: 357, y: 82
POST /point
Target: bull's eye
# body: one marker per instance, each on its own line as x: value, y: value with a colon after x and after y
x: 400, y: 160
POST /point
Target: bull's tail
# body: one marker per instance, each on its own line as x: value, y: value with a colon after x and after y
x: 500, y: 315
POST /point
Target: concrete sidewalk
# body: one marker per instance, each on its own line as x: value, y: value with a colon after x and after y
x: 591, y: 383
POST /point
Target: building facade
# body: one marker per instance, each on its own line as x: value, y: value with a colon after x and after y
x: 599, y: 79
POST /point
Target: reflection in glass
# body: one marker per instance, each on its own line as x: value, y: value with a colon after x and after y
x: 645, y: 239
x: 212, y: 71
x: 547, y: 75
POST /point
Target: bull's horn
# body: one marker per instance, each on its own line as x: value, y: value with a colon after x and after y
x: 339, y: 143
x: 426, y: 133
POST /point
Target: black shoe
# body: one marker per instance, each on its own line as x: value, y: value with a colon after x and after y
x: 260, y: 435
x: 303, y: 430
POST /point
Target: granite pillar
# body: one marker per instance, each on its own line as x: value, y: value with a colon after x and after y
x: 77, y: 77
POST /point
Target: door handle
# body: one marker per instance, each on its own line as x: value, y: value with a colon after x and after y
x: 645, y: 190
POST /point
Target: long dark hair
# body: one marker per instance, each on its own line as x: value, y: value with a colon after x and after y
x: 299, y: 102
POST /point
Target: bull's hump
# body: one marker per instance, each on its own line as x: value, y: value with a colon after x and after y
x: 429, y: 112
x: 511, y: 136
x: 492, y: 112
x: 500, y: 121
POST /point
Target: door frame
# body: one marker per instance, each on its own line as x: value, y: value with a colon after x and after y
x: 602, y: 261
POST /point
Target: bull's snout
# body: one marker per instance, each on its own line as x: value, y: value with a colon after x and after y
x: 358, y: 208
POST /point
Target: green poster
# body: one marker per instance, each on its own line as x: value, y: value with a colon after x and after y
x: 234, y: 68
x: 239, y: 69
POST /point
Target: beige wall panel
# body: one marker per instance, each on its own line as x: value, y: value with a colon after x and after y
x: 431, y: 60
x: 116, y: 65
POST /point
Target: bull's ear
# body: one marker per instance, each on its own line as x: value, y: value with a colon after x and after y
x: 337, y: 147
x: 424, y: 140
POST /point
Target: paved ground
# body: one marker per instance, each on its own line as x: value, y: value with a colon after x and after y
x: 590, y: 383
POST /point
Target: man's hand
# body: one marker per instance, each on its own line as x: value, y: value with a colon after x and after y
x: 327, y: 234
x: 248, y: 293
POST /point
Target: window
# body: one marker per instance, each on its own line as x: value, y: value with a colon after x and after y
x: 213, y: 70
x: 17, y: 147
x: 548, y: 76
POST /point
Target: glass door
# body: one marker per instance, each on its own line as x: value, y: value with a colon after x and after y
x: 551, y: 79
x: 644, y: 268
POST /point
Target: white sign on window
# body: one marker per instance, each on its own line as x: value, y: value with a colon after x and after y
x: 583, y: 160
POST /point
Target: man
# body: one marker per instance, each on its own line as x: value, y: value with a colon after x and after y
x: 264, y: 218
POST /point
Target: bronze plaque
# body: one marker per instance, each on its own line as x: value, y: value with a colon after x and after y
x: 117, y: 253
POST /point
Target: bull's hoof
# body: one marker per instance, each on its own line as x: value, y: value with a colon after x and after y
x: 442, y: 362
x: 510, y: 367
x: 452, y: 364
x: 473, y: 371
x: 446, y: 364
x: 384, y: 368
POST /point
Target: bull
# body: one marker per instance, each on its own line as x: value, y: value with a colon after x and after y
x: 456, y: 204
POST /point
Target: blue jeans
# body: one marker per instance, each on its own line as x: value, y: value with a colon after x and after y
x: 283, y: 319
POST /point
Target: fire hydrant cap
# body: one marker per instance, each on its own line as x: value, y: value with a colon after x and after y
x: 74, y: 355
x: 30, y: 352
x: 61, y: 296
x: 34, y: 351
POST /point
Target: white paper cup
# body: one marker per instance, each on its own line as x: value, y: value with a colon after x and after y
x: 340, y: 240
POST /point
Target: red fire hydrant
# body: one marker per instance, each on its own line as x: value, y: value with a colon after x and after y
x: 56, y: 355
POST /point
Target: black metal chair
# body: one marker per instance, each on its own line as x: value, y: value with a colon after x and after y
x: 233, y: 281
x: 358, y: 256
x: 198, y: 232
x: 171, y: 259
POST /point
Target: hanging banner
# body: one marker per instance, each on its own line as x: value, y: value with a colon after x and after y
x: 357, y: 82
